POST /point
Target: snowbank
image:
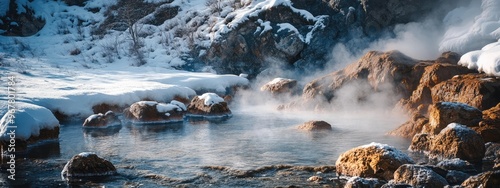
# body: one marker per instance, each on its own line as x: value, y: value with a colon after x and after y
x: 29, y: 120
x: 486, y: 60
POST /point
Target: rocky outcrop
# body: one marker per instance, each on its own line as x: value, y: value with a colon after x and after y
x: 101, y: 120
x: 477, y: 90
x: 208, y: 105
x: 315, y: 126
x: 485, y: 179
x: 489, y: 128
x: 442, y: 114
x: 418, y: 176
x: 87, y: 165
x: 154, y: 112
x: 372, y: 160
x: 280, y: 85
x: 457, y: 141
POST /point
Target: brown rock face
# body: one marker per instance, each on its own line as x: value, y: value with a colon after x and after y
x: 149, y: 112
x: 458, y: 141
x: 443, y: 113
x: 418, y: 176
x: 477, y: 90
x: 421, y: 142
x: 490, y: 179
x: 392, y: 70
x: 87, y: 165
x: 373, y: 160
x: 315, y: 126
x: 489, y: 128
x: 198, y: 107
x: 279, y: 85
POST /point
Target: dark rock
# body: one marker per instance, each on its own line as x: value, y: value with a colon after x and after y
x: 457, y: 141
x: 443, y: 113
x: 20, y: 23
x: 87, y: 165
x: 208, y: 104
x: 457, y: 165
x: 418, y: 176
x: 315, y: 126
x: 98, y: 120
x: 358, y: 182
x: 477, y: 90
x: 489, y: 179
x: 455, y: 177
x: 373, y: 160
x: 491, y: 160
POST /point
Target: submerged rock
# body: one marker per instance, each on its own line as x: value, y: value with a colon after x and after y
x: 155, y: 112
x: 457, y: 141
x: 280, y: 85
x: 315, y: 126
x: 443, y: 113
x: 100, y: 120
x: 208, y: 105
x: 373, y: 160
x: 418, y: 176
x: 87, y: 165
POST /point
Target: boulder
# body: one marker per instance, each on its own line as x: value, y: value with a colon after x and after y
x: 457, y: 141
x: 315, y: 126
x: 489, y: 128
x: 477, y: 90
x: 155, y: 112
x: 443, y: 113
x: 491, y: 158
x: 372, y: 160
x: 87, y: 165
x: 359, y: 182
x: 455, y: 177
x: 421, y: 142
x: 100, y: 120
x: 489, y: 179
x: 208, y: 105
x: 418, y: 176
x: 457, y: 165
x: 280, y: 85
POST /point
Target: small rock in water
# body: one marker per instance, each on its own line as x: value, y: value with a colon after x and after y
x: 87, y: 164
x: 315, y: 126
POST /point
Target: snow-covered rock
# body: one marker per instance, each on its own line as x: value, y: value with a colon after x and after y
x: 418, y: 176
x: 102, y: 120
x: 208, y: 105
x: 29, y: 122
x: 145, y: 112
x: 443, y: 113
x: 457, y: 141
x: 373, y: 160
x: 87, y: 164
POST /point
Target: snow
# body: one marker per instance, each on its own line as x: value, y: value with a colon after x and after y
x: 211, y: 98
x: 94, y: 117
x: 277, y: 80
x: 149, y: 103
x: 29, y: 119
x: 86, y: 154
x: 182, y: 106
x: 163, y: 108
x: 389, y: 151
x: 475, y: 36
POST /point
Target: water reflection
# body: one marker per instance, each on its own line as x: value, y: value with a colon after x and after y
x: 44, y: 150
x: 100, y: 132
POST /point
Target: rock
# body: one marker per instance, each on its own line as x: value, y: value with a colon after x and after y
x: 489, y: 128
x: 491, y: 160
x: 411, y: 127
x: 208, y: 105
x: 99, y: 120
x: 489, y: 179
x: 358, y: 182
x: 477, y: 90
x: 87, y: 165
x: 280, y: 85
x: 443, y: 113
x: 448, y: 58
x: 20, y: 23
x: 372, y: 160
x: 381, y: 70
x: 315, y: 179
x: 457, y: 165
x: 457, y: 141
x: 421, y: 142
x: 315, y: 126
x: 393, y: 184
x: 418, y: 176
x: 455, y: 177
x: 154, y: 112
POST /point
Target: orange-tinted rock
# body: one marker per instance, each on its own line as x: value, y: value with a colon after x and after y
x: 477, y: 90
x: 489, y: 179
x: 315, y: 126
x: 443, y: 113
x: 457, y: 141
x: 421, y: 142
x: 372, y: 160
x: 279, y: 85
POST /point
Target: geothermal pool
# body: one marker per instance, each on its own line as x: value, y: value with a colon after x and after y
x: 175, y: 154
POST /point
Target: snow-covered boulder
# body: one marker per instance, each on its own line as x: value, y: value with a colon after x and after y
x: 87, y: 164
x: 373, y: 160
x: 485, y: 179
x: 102, y: 120
x: 28, y: 124
x: 315, y: 126
x: 443, y: 113
x: 144, y: 112
x: 457, y: 141
x: 356, y: 181
x: 418, y: 176
x: 477, y: 90
x: 280, y: 85
x: 208, y: 105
